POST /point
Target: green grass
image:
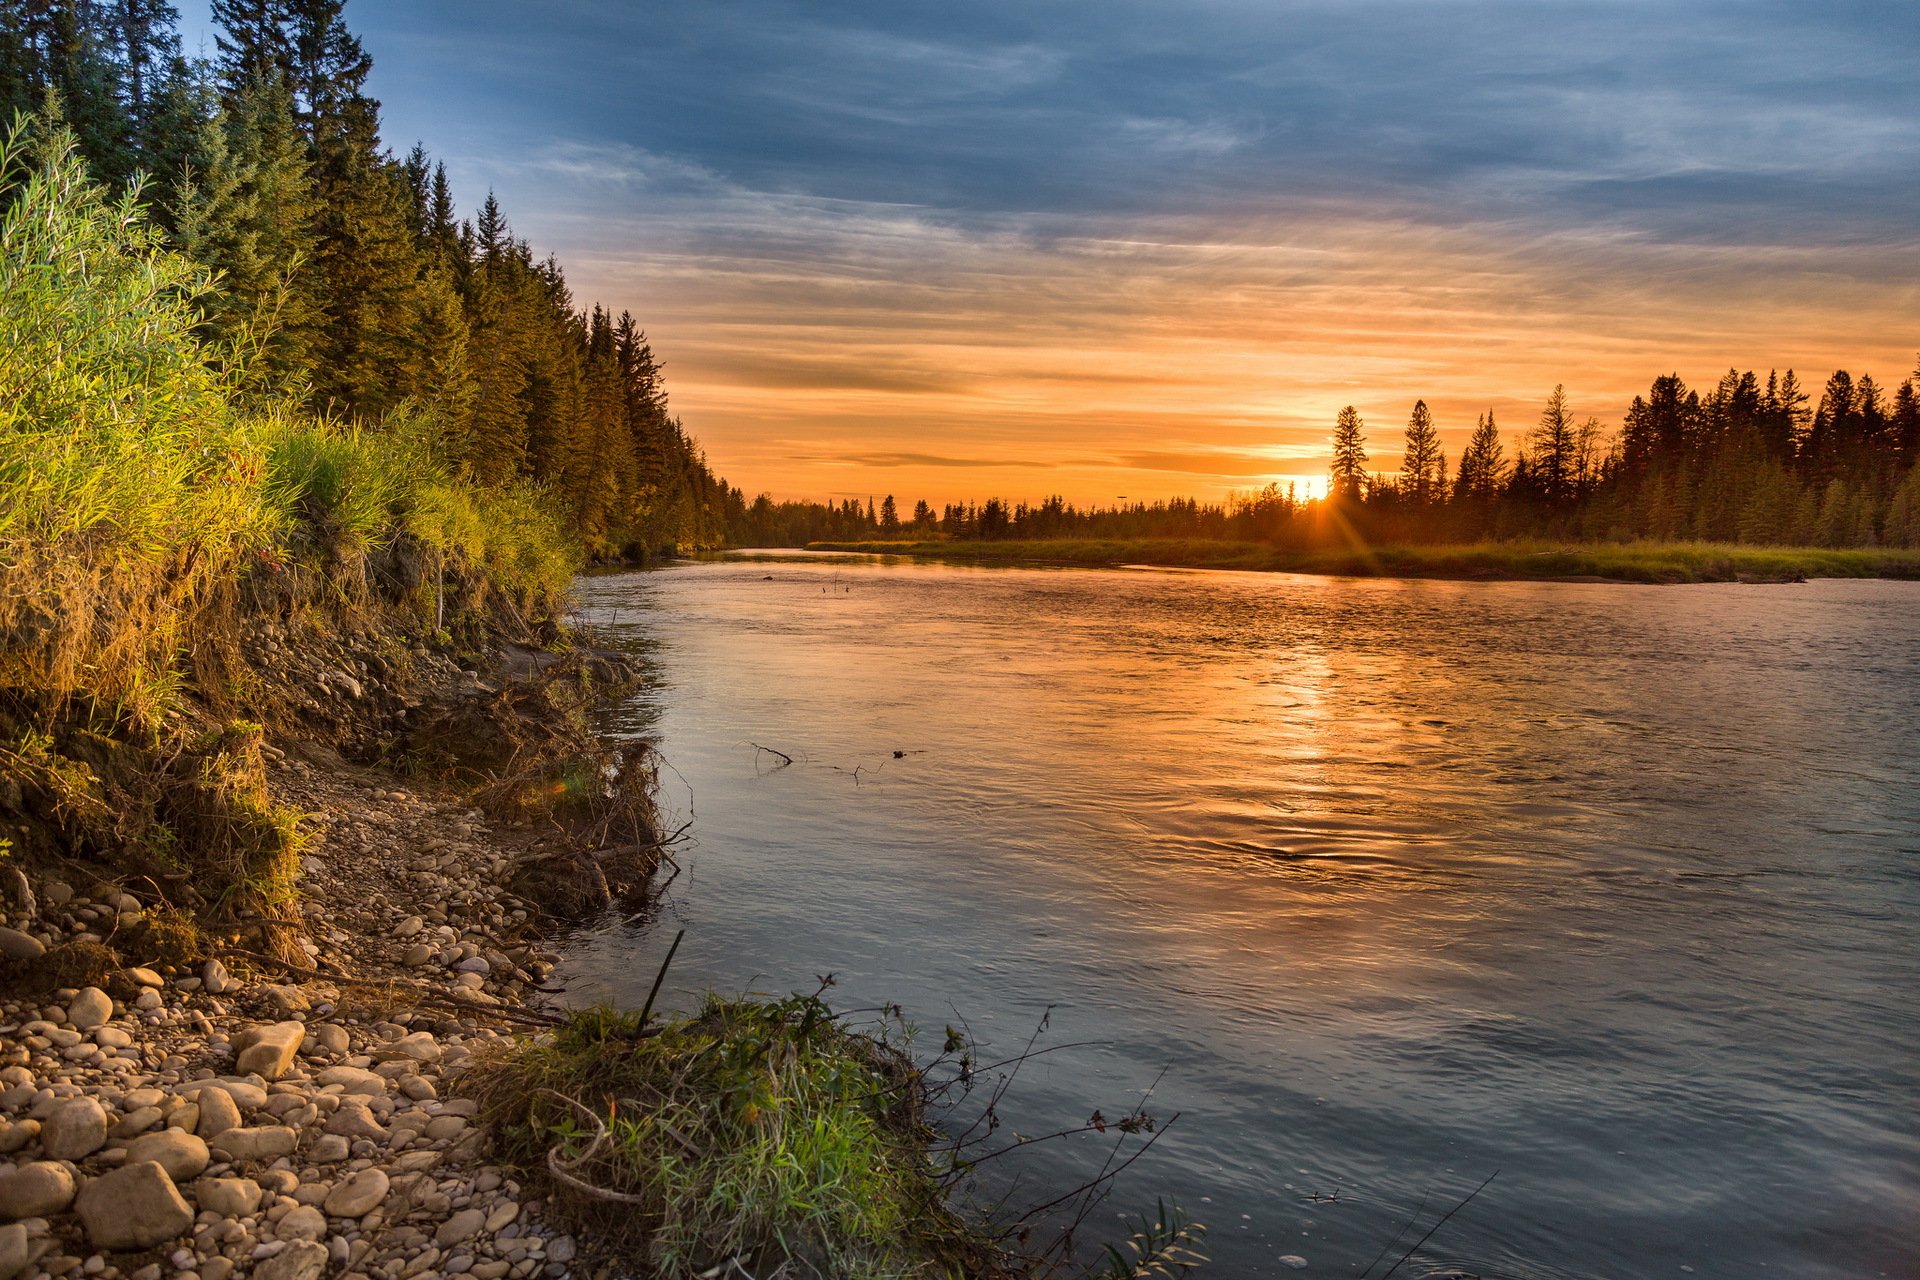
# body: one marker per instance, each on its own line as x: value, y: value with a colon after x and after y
x: 139, y: 482
x: 762, y: 1131
x: 1616, y: 562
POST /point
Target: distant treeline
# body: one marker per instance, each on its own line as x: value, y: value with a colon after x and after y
x: 1748, y: 462
x: 345, y: 275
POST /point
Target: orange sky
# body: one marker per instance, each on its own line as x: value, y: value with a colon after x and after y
x: 1201, y: 356
x: 1104, y: 247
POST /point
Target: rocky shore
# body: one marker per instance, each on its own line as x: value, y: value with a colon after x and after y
x: 211, y: 1119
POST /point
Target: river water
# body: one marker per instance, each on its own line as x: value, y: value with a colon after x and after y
x: 1614, y: 890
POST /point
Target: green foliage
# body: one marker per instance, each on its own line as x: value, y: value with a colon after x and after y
x: 765, y: 1132
x: 129, y: 485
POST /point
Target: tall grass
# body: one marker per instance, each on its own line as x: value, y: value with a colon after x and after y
x: 129, y: 483
x: 138, y: 485
x: 758, y: 1138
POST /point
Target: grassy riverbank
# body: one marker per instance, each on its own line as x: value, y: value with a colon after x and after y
x: 295, y: 782
x: 1622, y: 562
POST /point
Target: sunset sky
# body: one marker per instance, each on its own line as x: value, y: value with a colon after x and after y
x: 1023, y: 247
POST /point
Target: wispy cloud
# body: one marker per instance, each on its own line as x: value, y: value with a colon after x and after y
x: 1006, y: 242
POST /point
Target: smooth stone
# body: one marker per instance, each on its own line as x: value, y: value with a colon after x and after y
x: 178, y: 1152
x: 16, y: 1250
x: 144, y: 977
x: 354, y: 1120
x: 15, y: 945
x: 268, y: 1051
x: 214, y: 978
x: 460, y: 1228
x: 134, y: 1207
x: 330, y: 1038
x: 218, y: 1113
x: 359, y: 1195
x: 247, y: 1095
x: 89, y: 1009
x: 74, y: 1129
x: 417, y: 1046
x: 445, y: 1127
x: 137, y: 1121
x: 302, y: 1223
x: 35, y: 1190
x: 228, y: 1197
x: 354, y: 1080
x: 329, y: 1148
x: 301, y: 1260
x: 267, y: 1142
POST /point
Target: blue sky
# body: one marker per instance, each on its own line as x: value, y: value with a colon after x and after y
x: 1152, y: 247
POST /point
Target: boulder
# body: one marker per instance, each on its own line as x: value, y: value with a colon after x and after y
x: 35, y: 1190
x: 74, y: 1129
x: 178, y: 1152
x: 134, y: 1207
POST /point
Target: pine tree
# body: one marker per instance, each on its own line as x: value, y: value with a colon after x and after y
x: 1422, y: 465
x: 1483, y: 465
x: 248, y: 213
x: 1348, y: 476
x: 1556, y: 446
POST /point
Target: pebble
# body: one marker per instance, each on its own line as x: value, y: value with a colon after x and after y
x: 15, y: 945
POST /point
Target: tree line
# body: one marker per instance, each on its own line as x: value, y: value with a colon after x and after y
x: 347, y: 279
x: 1749, y: 462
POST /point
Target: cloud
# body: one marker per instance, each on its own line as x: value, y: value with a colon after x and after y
x: 937, y: 460
x: 1084, y: 237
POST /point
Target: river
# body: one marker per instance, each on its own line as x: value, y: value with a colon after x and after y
x: 1390, y: 885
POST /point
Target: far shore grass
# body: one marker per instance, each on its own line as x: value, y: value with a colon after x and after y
x: 1656, y: 562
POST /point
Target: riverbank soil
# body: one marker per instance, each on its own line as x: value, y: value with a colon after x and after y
x: 244, y: 961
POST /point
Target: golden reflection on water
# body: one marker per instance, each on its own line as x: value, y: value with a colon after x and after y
x: 1401, y: 878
